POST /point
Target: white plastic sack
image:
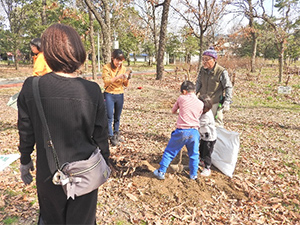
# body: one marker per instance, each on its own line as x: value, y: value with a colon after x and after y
x: 13, y: 101
x: 226, y: 150
x: 6, y: 160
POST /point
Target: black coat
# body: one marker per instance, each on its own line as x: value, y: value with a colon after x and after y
x: 76, y: 116
x: 77, y: 120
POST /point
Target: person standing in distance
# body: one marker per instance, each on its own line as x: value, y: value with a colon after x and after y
x: 40, y: 67
x: 115, y: 78
x: 76, y: 116
x: 214, y: 81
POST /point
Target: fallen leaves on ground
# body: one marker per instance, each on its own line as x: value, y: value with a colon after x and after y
x: 264, y: 189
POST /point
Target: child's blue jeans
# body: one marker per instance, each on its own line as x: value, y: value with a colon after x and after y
x: 180, y: 137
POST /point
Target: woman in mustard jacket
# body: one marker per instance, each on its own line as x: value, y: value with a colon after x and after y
x: 40, y: 67
x: 115, y: 78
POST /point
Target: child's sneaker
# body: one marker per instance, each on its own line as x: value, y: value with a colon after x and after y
x: 159, y: 175
x: 193, y: 177
x: 206, y: 172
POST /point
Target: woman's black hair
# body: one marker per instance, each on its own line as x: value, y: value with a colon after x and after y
x: 117, y: 54
x: 188, y: 86
x: 37, y: 43
x: 207, y: 102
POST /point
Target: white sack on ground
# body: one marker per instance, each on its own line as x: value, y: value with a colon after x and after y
x: 226, y: 150
x: 6, y: 160
x: 13, y: 101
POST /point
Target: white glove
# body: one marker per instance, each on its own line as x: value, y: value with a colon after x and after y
x: 25, y: 172
x: 226, y: 107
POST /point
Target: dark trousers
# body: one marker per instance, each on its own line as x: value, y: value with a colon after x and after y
x: 56, y: 209
x: 114, y: 106
x: 206, y: 148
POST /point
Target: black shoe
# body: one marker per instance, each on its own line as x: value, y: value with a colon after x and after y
x: 118, y: 136
x: 113, y: 140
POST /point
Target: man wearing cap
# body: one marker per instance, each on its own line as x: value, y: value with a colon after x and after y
x: 214, y: 81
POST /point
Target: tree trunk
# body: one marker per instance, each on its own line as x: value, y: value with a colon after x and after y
x: 200, y: 51
x: 43, y: 13
x: 92, y: 45
x: 134, y: 58
x: 162, y: 40
x: 254, y: 47
x: 188, y: 58
x: 253, y: 35
x: 150, y: 62
x: 86, y: 64
x: 16, y: 57
x: 280, y: 60
x: 104, y: 22
x: 128, y: 59
x: 156, y: 47
x: 16, y: 64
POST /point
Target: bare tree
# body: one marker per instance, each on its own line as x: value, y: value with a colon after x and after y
x: 201, y: 16
x: 281, y: 26
x: 162, y: 40
x: 250, y: 15
x: 148, y: 14
x: 248, y: 8
x: 92, y: 45
x: 102, y: 15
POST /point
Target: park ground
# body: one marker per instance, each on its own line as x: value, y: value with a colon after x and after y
x: 264, y: 189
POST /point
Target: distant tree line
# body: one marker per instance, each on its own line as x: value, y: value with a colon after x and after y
x: 181, y: 28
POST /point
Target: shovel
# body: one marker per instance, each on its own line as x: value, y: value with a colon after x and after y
x: 178, y: 167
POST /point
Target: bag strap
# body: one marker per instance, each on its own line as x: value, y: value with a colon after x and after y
x: 38, y: 102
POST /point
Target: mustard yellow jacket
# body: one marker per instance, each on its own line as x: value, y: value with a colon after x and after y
x: 116, y: 87
x: 40, y: 67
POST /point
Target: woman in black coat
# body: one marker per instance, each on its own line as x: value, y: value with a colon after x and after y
x: 76, y: 116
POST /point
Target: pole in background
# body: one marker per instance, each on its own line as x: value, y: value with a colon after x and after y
x: 98, y: 52
x: 115, y: 42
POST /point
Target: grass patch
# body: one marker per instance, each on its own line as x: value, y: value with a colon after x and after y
x: 10, y: 220
x: 33, y: 202
x: 281, y: 176
x: 294, y: 166
x: 122, y: 222
x: 10, y: 193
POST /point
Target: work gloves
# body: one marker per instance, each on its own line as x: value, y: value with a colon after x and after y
x: 226, y: 107
x: 25, y: 172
